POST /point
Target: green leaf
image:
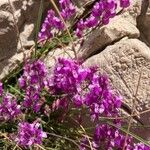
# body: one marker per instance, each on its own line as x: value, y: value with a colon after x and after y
x: 38, y: 24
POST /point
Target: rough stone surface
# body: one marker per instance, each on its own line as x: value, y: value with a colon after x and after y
x: 119, y: 27
x: 124, y: 63
x: 26, y: 14
x: 53, y: 55
x: 144, y: 22
x: 10, y: 65
x: 79, y: 3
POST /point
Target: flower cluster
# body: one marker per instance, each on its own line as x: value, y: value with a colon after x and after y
x: 114, y: 139
x: 101, y: 13
x: 53, y: 22
x: 70, y: 80
x: 67, y: 9
x: 9, y: 109
x: 32, y: 83
x: 108, y: 138
x: 141, y: 146
x: 69, y: 83
x: 85, y: 87
x: 29, y: 134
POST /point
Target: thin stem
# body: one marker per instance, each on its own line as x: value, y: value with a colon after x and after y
x: 133, y: 110
x: 87, y: 137
x: 15, y: 146
x: 17, y: 91
x: 56, y: 8
x: 62, y: 137
x: 113, y: 118
x: 38, y: 25
x: 62, y: 46
x: 41, y: 147
x: 131, y: 134
x: 6, y: 137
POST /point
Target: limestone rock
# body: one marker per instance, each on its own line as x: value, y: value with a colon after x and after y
x: 125, y: 62
x: 119, y: 27
x: 25, y: 16
x: 10, y: 65
x: 53, y: 55
x: 7, y: 33
x: 82, y: 3
x: 144, y: 22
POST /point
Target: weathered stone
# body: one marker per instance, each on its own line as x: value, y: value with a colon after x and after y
x: 53, y: 55
x: 144, y: 22
x: 82, y: 3
x: 125, y: 62
x: 119, y: 27
x: 26, y: 16
x: 14, y: 62
x: 8, y: 36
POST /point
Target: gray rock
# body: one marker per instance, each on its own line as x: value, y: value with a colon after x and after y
x: 53, y: 55
x: 144, y: 22
x: 82, y: 3
x: 14, y: 62
x: 124, y: 63
x: 26, y: 14
x: 8, y: 36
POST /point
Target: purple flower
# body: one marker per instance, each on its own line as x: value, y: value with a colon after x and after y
x: 33, y: 81
x: 80, y: 27
x: 98, y: 9
x: 47, y: 26
x: 84, y: 87
x: 110, y: 4
x: 124, y: 3
x: 91, y: 21
x: 78, y: 100
x: 54, y: 23
x: 67, y: 9
x: 22, y: 82
x: 69, y: 83
x: 64, y: 3
x: 9, y: 109
x: 101, y: 13
x: 30, y: 134
x: 107, y: 137
x: 83, y: 144
x: 65, y: 76
x: 141, y: 146
x: 57, y: 23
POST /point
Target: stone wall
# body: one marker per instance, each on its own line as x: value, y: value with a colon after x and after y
x: 17, y: 23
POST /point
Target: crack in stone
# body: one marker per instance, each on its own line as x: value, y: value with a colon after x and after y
x: 105, y: 46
